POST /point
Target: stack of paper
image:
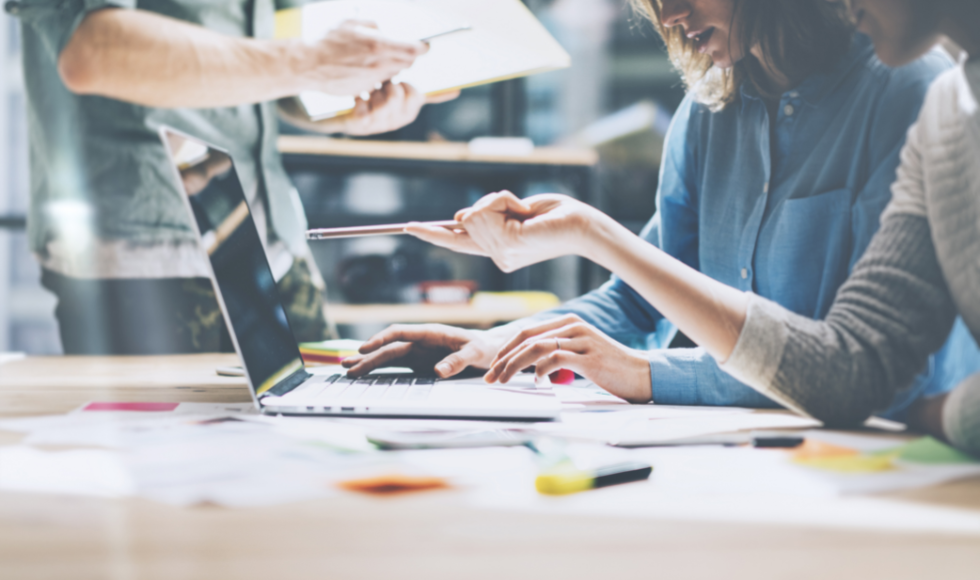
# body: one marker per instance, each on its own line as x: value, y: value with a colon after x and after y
x: 328, y: 352
x: 502, y: 40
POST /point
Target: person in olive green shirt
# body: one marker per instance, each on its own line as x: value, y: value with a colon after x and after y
x: 106, y: 219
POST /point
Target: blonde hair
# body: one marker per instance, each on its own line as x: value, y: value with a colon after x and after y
x: 797, y: 38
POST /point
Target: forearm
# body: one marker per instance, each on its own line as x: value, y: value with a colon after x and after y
x: 156, y: 61
x: 707, y: 311
x: 888, y: 317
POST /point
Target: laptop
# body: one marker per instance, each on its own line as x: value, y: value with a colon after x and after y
x: 249, y: 300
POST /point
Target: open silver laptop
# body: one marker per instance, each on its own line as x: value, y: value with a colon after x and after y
x: 249, y: 300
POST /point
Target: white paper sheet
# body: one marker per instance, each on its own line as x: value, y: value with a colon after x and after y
x: 504, y: 40
x: 716, y: 484
x: 114, y: 430
x: 78, y: 472
x: 663, y: 430
x: 6, y: 357
x: 186, y: 459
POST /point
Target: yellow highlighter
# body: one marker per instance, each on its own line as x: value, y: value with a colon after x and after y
x: 565, y: 478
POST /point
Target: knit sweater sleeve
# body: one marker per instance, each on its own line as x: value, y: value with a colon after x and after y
x: 890, y: 315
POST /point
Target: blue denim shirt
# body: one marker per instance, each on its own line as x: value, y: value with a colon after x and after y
x: 786, y: 220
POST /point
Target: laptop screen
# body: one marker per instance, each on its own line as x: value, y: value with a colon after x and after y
x: 245, y: 286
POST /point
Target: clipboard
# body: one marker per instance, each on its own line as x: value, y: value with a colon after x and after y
x: 494, y: 40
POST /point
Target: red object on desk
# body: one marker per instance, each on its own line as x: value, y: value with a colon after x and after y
x: 562, y: 377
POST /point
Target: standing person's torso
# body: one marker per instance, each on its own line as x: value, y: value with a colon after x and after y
x: 99, y: 174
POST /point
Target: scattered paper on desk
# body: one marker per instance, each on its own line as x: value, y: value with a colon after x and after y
x: 821, y: 455
x: 850, y: 463
x: 664, y: 430
x: 221, y: 458
x: 923, y: 451
x: 120, y: 406
x: 162, y: 407
x: 235, y: 464
x: 931, y: 451
x: 586, y: 393
x: 871, y: 464
x: 736, y: 485
x: 813, y: 448
x: 6, y: 357
x: 77, y: 472
x: 334, y: 435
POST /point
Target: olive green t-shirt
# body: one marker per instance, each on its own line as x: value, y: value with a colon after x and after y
x: 97, y: 164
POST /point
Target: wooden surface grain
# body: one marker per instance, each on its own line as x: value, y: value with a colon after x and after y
x: 430, y: 535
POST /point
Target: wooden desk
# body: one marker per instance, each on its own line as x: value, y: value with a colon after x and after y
x: 432, y: 535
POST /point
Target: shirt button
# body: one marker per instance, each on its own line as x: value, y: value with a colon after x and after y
x: 765, y: 188
x: 745, y: 273
x: 794, y: 94
x: 789, y: 110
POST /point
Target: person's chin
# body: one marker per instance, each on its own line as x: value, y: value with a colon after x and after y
x: 900, y: 54
x: 892, y: 59
x: 722, y: 61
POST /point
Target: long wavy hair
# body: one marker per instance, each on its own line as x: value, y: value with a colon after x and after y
x: 797, y: 38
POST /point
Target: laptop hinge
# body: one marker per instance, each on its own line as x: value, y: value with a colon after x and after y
x: 289, y: 383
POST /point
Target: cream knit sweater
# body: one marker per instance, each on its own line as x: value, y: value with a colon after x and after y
x: 898, y: 306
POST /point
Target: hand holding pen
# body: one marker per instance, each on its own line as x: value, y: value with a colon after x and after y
x: 379, y: 230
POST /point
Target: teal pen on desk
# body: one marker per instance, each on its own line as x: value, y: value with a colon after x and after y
x: 565, y: 478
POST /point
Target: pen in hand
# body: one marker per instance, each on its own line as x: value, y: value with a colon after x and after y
x: 379, y: 230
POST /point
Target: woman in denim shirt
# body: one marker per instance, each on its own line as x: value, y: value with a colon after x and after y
x: 776, y: 168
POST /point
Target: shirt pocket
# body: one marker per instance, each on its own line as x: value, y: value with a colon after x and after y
x: 811, y: 249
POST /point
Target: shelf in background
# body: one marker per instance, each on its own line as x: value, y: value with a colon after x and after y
x: 459, y: 314
x: 423, y: 151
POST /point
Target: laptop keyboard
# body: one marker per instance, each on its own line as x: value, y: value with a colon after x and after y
x: 377, y: 388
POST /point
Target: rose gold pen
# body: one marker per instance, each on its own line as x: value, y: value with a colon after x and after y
x: 382, y: 230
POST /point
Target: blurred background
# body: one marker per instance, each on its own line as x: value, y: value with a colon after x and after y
x: 616, y: 99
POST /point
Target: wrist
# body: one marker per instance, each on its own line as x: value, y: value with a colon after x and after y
x: 499, y: 334
x: 643, y: 391
x: 598, y: 234
x: 296, y: 63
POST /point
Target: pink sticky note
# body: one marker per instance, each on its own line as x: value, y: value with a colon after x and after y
x: 113, y: 406
x: 562, y: 377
